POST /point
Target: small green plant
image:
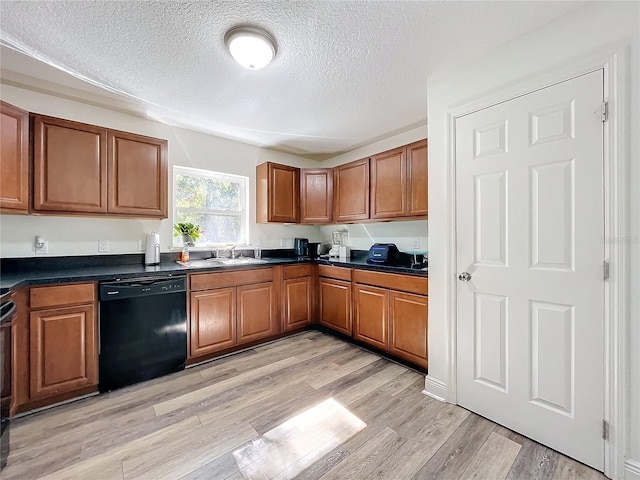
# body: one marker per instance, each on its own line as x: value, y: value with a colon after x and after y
x: 189, y: 231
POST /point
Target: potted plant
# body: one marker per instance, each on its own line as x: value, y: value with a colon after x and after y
x: 190, y: 232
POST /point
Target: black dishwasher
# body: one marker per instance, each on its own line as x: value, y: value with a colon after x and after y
x: 143, y: 329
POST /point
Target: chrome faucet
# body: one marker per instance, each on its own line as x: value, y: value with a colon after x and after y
x: 221, y: 252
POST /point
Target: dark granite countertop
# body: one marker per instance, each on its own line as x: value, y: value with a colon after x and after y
x: 361, y: 263
x: 49, y: 270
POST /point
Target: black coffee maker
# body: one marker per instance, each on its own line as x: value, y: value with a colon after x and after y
x: 301, y: 247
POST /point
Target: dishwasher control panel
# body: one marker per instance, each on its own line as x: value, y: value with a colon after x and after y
x: 141, y: 287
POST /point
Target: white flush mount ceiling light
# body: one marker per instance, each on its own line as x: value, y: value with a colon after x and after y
x: 252, y: 47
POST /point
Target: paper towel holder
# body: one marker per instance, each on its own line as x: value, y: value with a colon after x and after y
x: 152, y: 251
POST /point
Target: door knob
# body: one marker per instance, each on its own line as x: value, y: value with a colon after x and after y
x: 464, y: 277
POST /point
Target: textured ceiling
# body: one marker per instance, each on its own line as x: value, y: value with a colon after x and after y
x: 346, y: 72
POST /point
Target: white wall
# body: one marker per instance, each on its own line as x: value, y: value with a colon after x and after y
x: 405, y: 234
x: 602, y: 27
x: 393, y: 141
x: 79, y: 236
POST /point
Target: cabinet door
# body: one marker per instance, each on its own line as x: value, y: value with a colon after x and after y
x: 14, y: 159
x: 351, y: 191
x: 371, y: 313
x: 69, y: 166
x: 316, y: 195
x: 20, y: 352
x: 417, y: 174
x: 297, y: 301
x: 137, y: 175
x: 335, y: 305
x: 408, y: 325
x: 389, y: 184
x: 277, y: 193
x: 257, y: 312
x: 212, y: 321
x: 63, y: 351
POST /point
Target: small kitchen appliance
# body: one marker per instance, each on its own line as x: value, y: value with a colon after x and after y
x: 152, y: 251
x: 319, y: 249
x: 301, y: 247
x: 384, y: 254
x: 339, y: 248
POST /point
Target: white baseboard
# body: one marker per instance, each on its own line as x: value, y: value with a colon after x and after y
x: 631, y: 470
x: 435, y: 388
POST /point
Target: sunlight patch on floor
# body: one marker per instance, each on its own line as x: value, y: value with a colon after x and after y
x: 291, y: 447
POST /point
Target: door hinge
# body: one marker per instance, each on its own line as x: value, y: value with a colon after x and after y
x: 605, y: 430
x: 605, y: 270
x: 604, y: 110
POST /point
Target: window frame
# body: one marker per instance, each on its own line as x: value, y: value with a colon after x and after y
x: 242, y: 180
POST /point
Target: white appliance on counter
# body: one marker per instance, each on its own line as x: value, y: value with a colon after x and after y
x: 339, y: 248
x: 152, y: 250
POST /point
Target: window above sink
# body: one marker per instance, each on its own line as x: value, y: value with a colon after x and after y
x: 216, y: 201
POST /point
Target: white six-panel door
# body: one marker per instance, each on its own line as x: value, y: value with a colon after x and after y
x: 529, y: 193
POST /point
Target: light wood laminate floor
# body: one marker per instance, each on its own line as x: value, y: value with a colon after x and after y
x: 308, y: 407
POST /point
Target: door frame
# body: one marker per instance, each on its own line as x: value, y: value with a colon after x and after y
x: 614, y: 61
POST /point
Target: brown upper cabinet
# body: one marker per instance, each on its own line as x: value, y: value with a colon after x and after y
x: 14, y: 159
x: 351, y: 192
x: 316, y: 195
x: 277, y: 193
x: 389, y: 184
x: 69, y: 166
x: 399, y: 182
x: 80, y: 168
x: 417, y: 178
x: 137, y: 175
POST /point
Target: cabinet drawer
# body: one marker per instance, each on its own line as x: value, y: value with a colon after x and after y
x: 341, y: 273
x: 297, y: 271
x: 206, y: 281
x: 404, y: 283
x: 62, y: 295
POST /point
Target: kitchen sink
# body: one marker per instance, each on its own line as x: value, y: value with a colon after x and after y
x: 222, y: 262
x: 241, y: 261
x: 207, y: 263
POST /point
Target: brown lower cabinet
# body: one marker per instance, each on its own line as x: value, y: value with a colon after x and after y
x: 63, y: 350
x: 56, y: 342
x: 392, y: 320
x: 231, y: 308
x: 298, y: 298
x: 371, y: 312
x: 213, y: 321
x: 335, y: 304
x: 257, y: 313
x: 408, y: 326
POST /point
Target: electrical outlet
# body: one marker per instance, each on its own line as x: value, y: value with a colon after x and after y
x: 416, y: 242
x: 141, y: 245
x: 283, y: 242
x: 103, y: 245
x: 41, y: 248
